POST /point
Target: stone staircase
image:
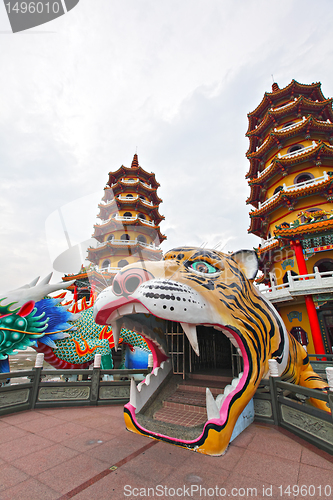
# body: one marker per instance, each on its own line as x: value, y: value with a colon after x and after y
x: 187, y: 405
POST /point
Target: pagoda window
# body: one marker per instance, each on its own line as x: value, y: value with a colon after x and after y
x: 110, y: 237
x: 123, y: 263
x: 105, y: 264
x: 303, y: 178
x: 285, y: 276
x: 141, y: 216
x: 295, y: 147
x: 129, y: 196
x: 125, y: 237
x: 324, y: 265
x: 142, y: 239
x: 289, y: 124
x: 127, y: 214
x: 142, y: 198
x: 278, y: 189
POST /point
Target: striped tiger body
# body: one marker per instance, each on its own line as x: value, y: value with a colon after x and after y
x: 194, y: 286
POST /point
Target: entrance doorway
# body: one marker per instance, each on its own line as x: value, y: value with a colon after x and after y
x: 217, y: 355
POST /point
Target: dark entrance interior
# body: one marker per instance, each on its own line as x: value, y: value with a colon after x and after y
x: 217, y: 355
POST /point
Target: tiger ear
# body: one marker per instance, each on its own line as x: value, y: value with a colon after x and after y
x: 247, y: 260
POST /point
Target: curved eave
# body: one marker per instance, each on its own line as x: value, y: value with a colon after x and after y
x: 284, y: 197
x: 311, y: 124
x: 268, y: 248
x: 95, y: 254
x: 322, y: 151
x: 114, y: 225
x: 130, y: 188
x: 304, y: 229
x: 302, y: 106
x: 274, y: 97
x: 134, y: 205
x: 71, y: 277
x: 133, y: 171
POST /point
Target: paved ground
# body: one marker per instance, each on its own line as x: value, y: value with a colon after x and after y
x: 67, y: 453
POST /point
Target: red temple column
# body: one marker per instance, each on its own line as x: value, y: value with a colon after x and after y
x: 310, y: 307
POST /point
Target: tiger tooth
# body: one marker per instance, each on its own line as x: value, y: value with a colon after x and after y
x: 139, y: 308
x: 116, y: 327
x: 133, y: 393
x: 191, y: 333
x: 211, y: 406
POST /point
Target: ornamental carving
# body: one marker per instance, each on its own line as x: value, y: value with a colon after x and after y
x: 114, y: 392
x: 308, y: 423
x: 65, y: 393
x: 14, y: 397
x: 262, y: 408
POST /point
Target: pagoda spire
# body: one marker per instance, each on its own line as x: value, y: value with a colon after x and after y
x: 275, y: 87
x: 135, y: 162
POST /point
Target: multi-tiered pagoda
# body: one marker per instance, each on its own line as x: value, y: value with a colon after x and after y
x: 130, y: 227
x: 291, y: 181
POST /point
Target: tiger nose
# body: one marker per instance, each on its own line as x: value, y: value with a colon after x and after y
x: 127, y: 282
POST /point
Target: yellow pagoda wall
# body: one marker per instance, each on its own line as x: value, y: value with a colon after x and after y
x: 289, y: 180
x: 296, y: 315
x: 311, y: 262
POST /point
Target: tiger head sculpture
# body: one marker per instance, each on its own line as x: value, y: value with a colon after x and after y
x: 195, y: 286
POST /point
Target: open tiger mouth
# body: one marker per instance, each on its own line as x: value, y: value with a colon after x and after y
x: 145, y: 311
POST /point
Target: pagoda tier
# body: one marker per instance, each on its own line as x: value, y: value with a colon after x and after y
x: 320, y: 155
x: 132, y: 203
x: 279, y: 97
x: 131, y: 247
x: 136, y: 186
x: 134, y: 171
x: 124, y: 224
x: 297, y: 110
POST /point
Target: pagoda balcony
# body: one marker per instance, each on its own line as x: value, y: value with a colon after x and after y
x: 133, y: 181
x: 127, y: 243
x: 295, y: 187
x: 132, y: 219
x: 290, y: 155
x: 305, y: 284
x: 135, y: 197
x: 285, y: 105
x: 293, y: 125
x: 267, y: 243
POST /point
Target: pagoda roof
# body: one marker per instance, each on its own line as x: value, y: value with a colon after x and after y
x: 133, y: 171
x: 300, y: 106
x: 115, y: 225
x: 312, y: 91
x: 137, y: 187
x: 304, y: 229
x: 147, y: 252
x: 292, y: 193
x: 129, y: 203
x: 320, y: 150
x: 305, y: 125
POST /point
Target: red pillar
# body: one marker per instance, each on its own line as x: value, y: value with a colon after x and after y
x: 310, y: 307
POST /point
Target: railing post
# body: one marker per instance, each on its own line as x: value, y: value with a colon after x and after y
x: 37, y: 376
x: 290, y: 280
x: 273, y: 378
x: 95, y: 379
x: 318, y: 277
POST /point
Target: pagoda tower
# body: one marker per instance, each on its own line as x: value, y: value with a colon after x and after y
x: 291, y: 182
x: 129, y: 230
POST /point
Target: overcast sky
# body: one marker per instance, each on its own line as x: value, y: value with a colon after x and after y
x: 174, y: 79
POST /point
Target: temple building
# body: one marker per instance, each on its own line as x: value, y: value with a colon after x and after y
x: 291, y: 182
x: 129, y: 230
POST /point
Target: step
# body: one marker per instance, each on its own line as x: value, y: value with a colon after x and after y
x: 181, y: 417
x: 213, y: 378
x: 187, y: 400
x: 201, y: 385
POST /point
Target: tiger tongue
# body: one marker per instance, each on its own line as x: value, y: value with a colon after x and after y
x: 191, y: 333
